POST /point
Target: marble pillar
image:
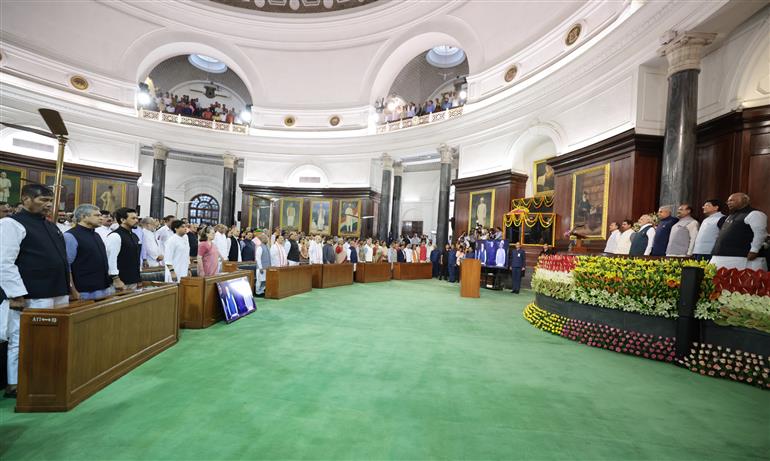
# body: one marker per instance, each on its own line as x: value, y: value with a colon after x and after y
x: 683, y: 52
x: 384, y: 209
x: 158, y: 191
x: 445, y: 182
x: 227, y: 208
x: 395, y: 216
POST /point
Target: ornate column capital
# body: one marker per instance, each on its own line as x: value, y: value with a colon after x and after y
x: 684, y: 50
x: 387, y: 161
x: 398, y: 169
x: 446, y: 153
x: 229, y: 160
x: 159, y: 151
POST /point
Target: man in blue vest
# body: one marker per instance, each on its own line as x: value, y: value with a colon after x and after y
x: 518, y: 266
x: 87, y: 255
x: 663, y: 231
x: 34, y: 273
x: 641, y: 241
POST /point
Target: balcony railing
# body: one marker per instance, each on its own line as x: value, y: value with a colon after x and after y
x: 421, y: 120
x: 191, y: 121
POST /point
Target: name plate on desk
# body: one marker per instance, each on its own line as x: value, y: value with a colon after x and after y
x: 44, y: 321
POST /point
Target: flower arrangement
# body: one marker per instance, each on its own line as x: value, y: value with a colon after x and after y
x: 559, y: 263
x: 716, y: 361
x: 595, y: 335
x: 556, y: 284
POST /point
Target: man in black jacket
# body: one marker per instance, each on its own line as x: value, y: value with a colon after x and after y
x: 33, y: 266
x: 87, y: 255
x: 328, y: 252
x: 293, y: 255
x: 124, y: 251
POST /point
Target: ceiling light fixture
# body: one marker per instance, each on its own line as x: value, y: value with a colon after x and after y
x: 445, y: 56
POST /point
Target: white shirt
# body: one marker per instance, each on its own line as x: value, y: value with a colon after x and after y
x: 278, y: 256
x: 103, y: 232
x: 315, y: 252
x: 11, y: 235
x: 162, y: 235
x: 612, y: 242
x: 222, y: 243
x: 64, y: 227
x: 178, y: 256
x: 650, y: 237
x: 151, y: 248
x: 112, y: 244
x: 758, y: 223
x: 368, y: 253
x: 624, y: 242
x: 408, y: 254
x: 707, y: 235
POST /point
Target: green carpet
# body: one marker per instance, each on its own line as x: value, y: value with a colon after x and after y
x: 397, y: 370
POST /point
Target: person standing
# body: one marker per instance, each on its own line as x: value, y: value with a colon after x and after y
x: 613, y: 240
x: 292, y: 256
x: 328, y: 252
x: 683, y: 234
x: 248, y: 247
x: 233, y: 246
x: 262, y: 257
x: 222, y: 243
x: 34, y: 272
x: 177, y: 257
x: 368, y: 255
x: 192, y: 238
x: 107, y: 225
x: 663, y: 231
x: 165, y: 232
x: 87, y: 256
x: 316, y: 250
x: 518, y: 266
x: 742, y: 235
x: 435, y: 260
x: 278, y: 253
x: 152, y: 253
x: 208, y: 255
x: 709, y: 229
x: 123, y: 251
x: 624, y: 239
x: 641, y: 241
x: 444, y: 263
x: 353, y: 258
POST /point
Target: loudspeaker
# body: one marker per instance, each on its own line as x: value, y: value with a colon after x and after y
x: 239, y: 216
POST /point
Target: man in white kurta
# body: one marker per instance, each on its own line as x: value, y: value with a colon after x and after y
x: 222, y: 243
x: 278, y: 253
x: 177, y: 256
x: 152, y: 253
x: 164, y: 232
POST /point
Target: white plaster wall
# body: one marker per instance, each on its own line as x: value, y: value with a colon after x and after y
x: 419, y: 198
x: 337, y: 172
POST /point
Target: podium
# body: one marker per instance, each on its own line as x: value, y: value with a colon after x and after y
x: 470, y: 278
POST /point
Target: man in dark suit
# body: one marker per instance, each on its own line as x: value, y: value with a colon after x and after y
x: 518, y: 264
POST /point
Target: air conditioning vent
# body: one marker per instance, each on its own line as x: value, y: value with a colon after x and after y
x: 310, y: 179
x: 32, y: 145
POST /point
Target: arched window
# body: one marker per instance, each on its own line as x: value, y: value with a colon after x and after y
x: 203, y: 209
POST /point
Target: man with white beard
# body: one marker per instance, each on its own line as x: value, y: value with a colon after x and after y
x: 152, y: 253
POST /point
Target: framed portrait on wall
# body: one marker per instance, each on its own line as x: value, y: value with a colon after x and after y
x: 12, y: 179
x: 291, y: 214
x: 543, y: 179
x: 350, y: 218
x: 320, y: 216
x: 259, y: 213
x: 590, y: 194
x: 108, y: 195
x: 70, y: 192
x: 481, y: 209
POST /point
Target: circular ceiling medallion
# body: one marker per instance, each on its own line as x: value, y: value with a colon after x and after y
x: 573, y: 35
x: 510, y: 74
x: 334, y: 120
x: 289, y: 120
x: 79, y: 82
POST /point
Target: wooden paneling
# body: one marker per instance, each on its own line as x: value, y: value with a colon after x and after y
x: 369, y: 201
x: 335, y: 275
x: 635, y: 162
x: 318, y: 275
x: 373, y: 272
x: 412, y: 271
x: 200, y: 305
x: 506, y: 185
x: 69, y: 354
x: 288, y: 281
x: 36, y: 167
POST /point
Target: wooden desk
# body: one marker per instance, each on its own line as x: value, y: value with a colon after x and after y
x: 412, y: 271
x: 286, y: 281
x: 318, y: 274
x: 335, y: 275
x: 470, y: 274
x: 372, y: 272
x: 69, y: 354
x: 200, y: 306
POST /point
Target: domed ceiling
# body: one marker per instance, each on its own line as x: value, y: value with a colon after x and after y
x: 296, y: 6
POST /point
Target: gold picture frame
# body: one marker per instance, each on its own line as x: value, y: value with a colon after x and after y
x: 584, y: 217
x: 489, y: 194
x: 67, y: 180
x: 317, y: 205
x: 99, y: 188
x: 350, y: 221
x: 258, y: 225
x: 540, y: 168
x: 291, y: 221
x: 17, y: 178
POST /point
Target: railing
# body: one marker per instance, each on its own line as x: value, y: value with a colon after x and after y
x: 191, y: 121
x: 422, y: 120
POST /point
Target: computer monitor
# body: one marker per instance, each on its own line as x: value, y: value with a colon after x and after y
x: 236, y: 298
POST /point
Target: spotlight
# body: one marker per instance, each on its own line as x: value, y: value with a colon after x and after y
x: 391, y: 105
x: 143, y: 98
x: 463, y: 94
x: 246, y: 115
